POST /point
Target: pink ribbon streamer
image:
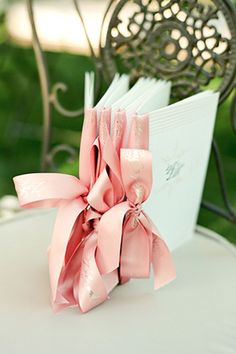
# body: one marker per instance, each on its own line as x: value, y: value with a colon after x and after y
x: 100, y: 226
x: 132, y: 241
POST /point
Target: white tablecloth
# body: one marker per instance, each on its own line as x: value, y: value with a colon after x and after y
x: 194, y: 314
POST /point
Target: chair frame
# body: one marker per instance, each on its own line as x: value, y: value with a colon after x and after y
x: 161, y: 23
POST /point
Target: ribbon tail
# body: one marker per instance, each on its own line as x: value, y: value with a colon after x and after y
x: 65, y: 293
x: 67, y: 215
x: 163, y: 267
x: 139, y: 132
x: 110, y: 280
x: 135, y: 252
x: 162, y: 263
x: 89, y: 287
x: 110, y: 157
x: 69, y: 291
x: 109, y: 238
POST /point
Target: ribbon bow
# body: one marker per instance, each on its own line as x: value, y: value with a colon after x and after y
x: 80, y: 203
x: 100, y: 225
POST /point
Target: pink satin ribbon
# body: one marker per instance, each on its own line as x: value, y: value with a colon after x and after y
x: 132, y: 240
x: 100, y: 225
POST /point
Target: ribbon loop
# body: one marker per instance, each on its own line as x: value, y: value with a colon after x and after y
x: 136, y: 171
x: 88, y: 136
x: 109, y: 237
x: 139, y: 133
x: 89, y: 288
x: 101, y: 196
x: 47, y: 189
x: 63, y: 229
x: 135, y: 252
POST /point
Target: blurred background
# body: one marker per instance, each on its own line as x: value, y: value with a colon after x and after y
x: 68, y: 58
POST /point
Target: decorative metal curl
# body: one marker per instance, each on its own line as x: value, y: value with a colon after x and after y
x: 233, y: 112
x: 60, y: 86
x: 72, y: 152
x: 63, y: 87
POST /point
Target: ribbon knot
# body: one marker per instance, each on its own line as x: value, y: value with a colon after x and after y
x: 137, y: 209
x: 134, y: 214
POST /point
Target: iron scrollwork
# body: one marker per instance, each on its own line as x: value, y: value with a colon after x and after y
x: 174, y: 40
x: 181, y: 41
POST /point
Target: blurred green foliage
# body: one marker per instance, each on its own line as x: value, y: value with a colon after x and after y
x: 226, y: 139
x: 21, y: 123
x: 21, y: 109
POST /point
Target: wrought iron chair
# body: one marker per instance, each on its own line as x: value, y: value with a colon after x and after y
x: 195, y: 314
x: 181, y: 41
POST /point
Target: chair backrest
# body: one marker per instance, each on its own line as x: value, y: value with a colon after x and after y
x: 188, y: 42
x: 192, y: 43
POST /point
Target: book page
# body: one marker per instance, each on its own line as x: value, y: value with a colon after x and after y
x: 89, y: 90
x: 117, y: 89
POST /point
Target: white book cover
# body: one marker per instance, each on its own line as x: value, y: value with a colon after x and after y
x: 180, y: 142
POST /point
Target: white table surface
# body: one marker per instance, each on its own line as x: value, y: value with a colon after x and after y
x: 194, y: 314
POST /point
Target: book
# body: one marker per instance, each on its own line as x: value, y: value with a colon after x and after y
x: 180, y: 136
